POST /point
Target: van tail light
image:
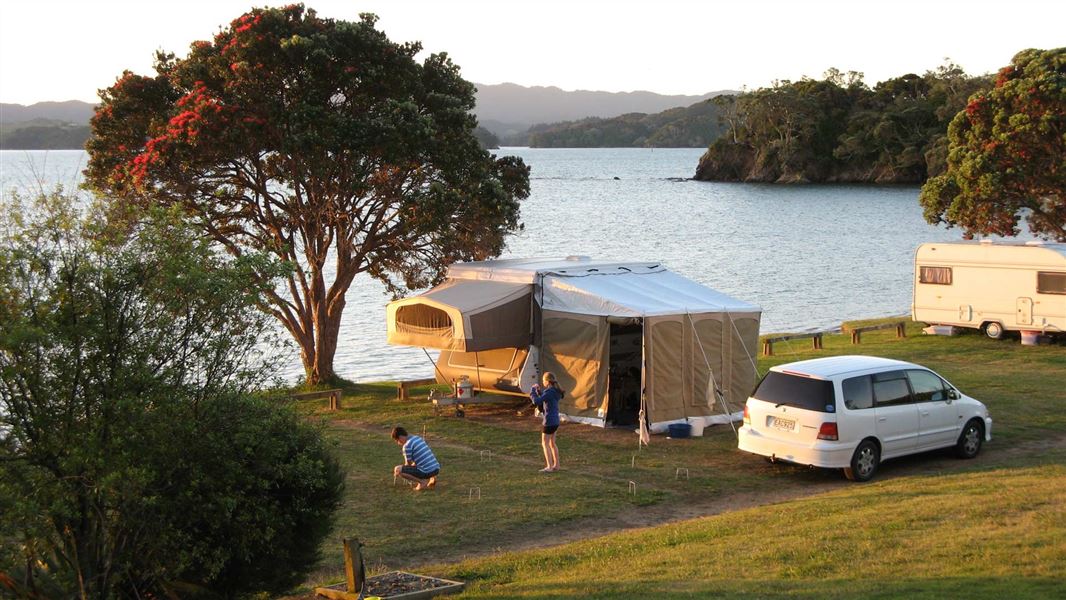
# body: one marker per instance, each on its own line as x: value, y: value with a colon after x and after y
x: 747, y: 417
x: 828, y: 431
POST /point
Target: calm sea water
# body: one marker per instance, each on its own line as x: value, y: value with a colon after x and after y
x: 811, y: 256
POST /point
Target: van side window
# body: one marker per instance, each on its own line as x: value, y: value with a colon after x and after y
x: 858, y: 392
x: 927, y: 386
x: 1050, y: 283
x: 937, y: 275
x: 891, y: 389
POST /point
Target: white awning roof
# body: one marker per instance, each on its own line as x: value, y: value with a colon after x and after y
x: 635, y: 294
x: 529, y: 270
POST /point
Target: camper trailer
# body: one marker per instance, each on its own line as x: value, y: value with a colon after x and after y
x: 993, y: 286
x: 620, y: 337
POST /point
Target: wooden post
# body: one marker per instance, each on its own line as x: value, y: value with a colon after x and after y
x: 767, y: 348
x: 334, y: 400
x: 353, y: 565
x: 901, y: 330
x: 818, y: 341
x: 856, y: 336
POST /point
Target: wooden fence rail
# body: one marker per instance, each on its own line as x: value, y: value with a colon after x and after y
x: 333, y: 395
x: 768, y: 343
x: 856, y: 332
x: 403, y: 387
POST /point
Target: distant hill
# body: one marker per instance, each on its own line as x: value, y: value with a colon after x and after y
x: 71, y: 111
x: 43, y: 134
x: 507, y: 109
x: 45, y: 125
x: 693, y: 127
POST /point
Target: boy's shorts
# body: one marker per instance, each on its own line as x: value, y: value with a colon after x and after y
x: 409, y: 470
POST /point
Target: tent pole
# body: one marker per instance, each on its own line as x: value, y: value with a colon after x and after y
x: 645, y: 430
x: 434, y: 363
x: 477, y: 367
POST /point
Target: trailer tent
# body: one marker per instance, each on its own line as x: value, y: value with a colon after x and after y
x: 620, y: 337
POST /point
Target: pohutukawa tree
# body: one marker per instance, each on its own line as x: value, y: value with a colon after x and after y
x: 320, y: 141
x: 1007, y: 154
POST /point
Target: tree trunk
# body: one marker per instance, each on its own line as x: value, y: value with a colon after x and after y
x: 326, y: 347
x: 318, y: 359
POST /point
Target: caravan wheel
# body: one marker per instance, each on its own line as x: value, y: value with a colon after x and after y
x: 993, y: 330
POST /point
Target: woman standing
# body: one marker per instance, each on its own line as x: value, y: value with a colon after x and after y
x: 547, y: 399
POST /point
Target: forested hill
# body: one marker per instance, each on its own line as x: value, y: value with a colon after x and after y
x: 692, y: 127
x: 508, y: 109
x: 839, y: 130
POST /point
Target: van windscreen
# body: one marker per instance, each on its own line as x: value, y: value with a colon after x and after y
x: 794, y: 390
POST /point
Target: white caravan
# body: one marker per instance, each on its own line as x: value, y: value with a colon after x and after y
x: 993, y: 286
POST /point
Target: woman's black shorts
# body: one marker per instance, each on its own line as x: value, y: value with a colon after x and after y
x: 550, y: 429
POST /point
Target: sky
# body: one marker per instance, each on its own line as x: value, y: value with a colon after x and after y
x: 69, y: 49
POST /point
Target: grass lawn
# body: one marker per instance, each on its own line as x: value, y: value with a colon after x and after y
x: 927, y: 525
x: 990, y: 534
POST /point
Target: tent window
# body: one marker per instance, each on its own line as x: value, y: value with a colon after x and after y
x: 1050, y: 283
x: 935, y: 275
x: 422, y: 319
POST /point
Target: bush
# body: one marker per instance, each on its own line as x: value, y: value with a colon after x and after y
x: 137, y: 459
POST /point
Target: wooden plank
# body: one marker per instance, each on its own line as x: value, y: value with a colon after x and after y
x: 353, y: 565
x: 899, y: 326
x: 403, y: 387
x: 314, y: 395
x: 334, y: 396
x: 768, y: 343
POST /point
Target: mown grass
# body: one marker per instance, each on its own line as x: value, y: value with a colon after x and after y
x: 1023, y: 387
x: 988, y: 534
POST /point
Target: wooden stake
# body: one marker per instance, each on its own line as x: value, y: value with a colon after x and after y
x: 353, y: 565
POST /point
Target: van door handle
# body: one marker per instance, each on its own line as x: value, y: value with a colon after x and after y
x: 882, y: 419
x: 925, y: 413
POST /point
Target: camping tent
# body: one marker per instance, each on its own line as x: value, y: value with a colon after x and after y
x: 619, y: 336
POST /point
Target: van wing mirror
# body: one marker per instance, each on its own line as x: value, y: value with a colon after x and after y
x: 953, y: 394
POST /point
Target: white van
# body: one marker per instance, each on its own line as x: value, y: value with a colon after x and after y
x: 852, y: 412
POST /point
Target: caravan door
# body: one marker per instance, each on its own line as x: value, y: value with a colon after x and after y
x: 1025, y: 311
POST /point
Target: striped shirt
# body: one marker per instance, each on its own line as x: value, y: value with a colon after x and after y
x: 417, y: 451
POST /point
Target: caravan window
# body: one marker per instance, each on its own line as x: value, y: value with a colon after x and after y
x: 1050, y: 283
x: 937, y: 275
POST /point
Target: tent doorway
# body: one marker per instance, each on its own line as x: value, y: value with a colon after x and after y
x: 623, y: 380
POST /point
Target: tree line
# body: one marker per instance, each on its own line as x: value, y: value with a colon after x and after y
x: 838, y: 129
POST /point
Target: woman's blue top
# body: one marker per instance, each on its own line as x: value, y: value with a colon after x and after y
x: 548, y: 403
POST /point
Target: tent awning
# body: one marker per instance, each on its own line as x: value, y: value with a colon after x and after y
x: 466, y: 316
x: 636, y: 294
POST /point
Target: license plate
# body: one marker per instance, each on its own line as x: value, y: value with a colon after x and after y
x: 782, y: 424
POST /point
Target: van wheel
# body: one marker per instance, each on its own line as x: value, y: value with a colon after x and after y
x: 864, y: 462
x: 969, y: 444
x: 993, y: 330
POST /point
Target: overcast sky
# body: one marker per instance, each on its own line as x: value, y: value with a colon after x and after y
x: 68, y: 49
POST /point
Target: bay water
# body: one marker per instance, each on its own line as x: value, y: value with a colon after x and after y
x: 810, y: 255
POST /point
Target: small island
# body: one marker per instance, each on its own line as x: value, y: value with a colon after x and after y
x: 839, y: 130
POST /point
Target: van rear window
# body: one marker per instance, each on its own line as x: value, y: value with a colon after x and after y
x: 794, y: 390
